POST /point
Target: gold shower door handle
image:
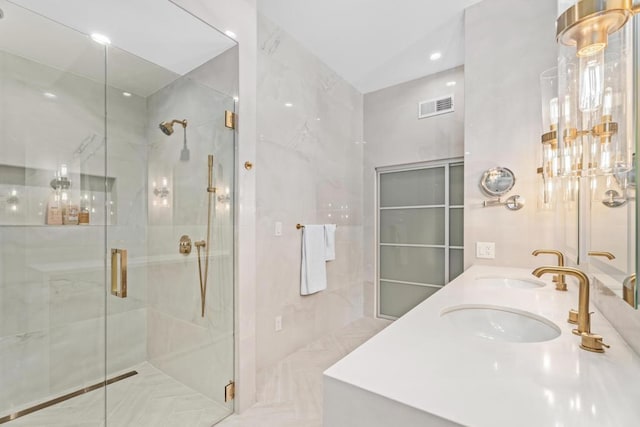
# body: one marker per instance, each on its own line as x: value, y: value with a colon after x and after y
x: 122, y: 292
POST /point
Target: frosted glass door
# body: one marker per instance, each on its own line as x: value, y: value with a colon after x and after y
x: 420, y: 234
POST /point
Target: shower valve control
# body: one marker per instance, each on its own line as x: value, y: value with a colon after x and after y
x: 185, y: 245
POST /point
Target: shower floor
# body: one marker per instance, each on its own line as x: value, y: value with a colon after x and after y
x: 149, y: 399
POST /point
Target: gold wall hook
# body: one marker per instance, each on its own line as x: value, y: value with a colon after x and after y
x: 248, y: 165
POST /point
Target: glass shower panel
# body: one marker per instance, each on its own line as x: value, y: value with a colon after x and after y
x: 52, y: 179
x: 175, y: 327
x: 412, y: 226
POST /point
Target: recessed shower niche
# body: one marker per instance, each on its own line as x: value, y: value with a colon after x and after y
x: 27, y: 193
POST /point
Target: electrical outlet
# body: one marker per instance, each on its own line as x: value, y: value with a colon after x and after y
x: 278, y: 323
x: 486, y: 250
x: 278, y: 230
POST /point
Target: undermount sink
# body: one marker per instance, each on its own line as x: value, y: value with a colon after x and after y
x: 499, y: 323
x: 509, y: 282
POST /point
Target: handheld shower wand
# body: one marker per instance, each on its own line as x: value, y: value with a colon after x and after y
x: 206, y: 243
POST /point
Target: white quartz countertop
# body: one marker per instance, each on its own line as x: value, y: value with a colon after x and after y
x: 422, y: 360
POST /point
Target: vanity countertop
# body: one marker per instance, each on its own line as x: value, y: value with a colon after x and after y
x: 424, y: 363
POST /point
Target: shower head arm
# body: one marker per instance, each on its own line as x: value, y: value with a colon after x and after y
x: 183, y: 122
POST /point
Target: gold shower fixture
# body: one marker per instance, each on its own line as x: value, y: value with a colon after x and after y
x: 167, y: 127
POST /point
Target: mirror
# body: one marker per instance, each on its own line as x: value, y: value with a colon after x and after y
x: 497, y: 181
x: 612, y: 230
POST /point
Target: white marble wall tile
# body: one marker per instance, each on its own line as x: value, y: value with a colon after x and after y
x: 503, y: 123
x: 24, y: 369
x: 76, y: 354
x: 310, y: 172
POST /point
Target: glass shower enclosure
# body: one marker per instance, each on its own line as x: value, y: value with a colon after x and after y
x: 116, y: 219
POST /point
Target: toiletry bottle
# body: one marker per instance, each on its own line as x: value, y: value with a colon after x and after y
x: 54, y: 210
x: 83, y: 215
x: 70, y: 214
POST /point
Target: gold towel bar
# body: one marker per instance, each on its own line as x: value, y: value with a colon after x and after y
x: 299, y: 226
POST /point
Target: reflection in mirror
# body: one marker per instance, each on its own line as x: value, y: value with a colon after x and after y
x: 612, y: 230
x: 497, y: 181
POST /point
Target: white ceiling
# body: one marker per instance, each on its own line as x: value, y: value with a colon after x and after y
x: 156, y: 41
x: 376, y: 43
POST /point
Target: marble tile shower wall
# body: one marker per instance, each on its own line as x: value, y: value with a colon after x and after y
x: 196, y: 351
x: 309, y: 170
x: 52, y: 309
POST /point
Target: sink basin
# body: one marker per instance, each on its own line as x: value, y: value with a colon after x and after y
x: 508, y: 282
x: 501, y: 323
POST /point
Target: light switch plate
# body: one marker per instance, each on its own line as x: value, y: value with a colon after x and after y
x: 485, y: 250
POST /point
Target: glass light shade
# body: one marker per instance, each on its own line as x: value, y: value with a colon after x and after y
x: 595, y: 134
x: 591, y: 82
x: 549, y: 97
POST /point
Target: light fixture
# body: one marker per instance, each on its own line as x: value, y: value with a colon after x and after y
x: 586, y: 107
x: 50, y: 95
x: 13, y: 200
x: 435, y: 56
x: 450, y: 84
x: 61, y: 179
x: 162, y: 193
x: 288, y: 104
x: 101, y: 39
x: 231, y: 34
x: 126, y: 94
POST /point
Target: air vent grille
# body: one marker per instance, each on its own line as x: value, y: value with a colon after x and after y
x: 435, y: 107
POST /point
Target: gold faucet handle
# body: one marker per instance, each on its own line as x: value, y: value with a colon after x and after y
x: 593, y: 342
x: 573, y: 317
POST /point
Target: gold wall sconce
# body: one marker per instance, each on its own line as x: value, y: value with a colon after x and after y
x: 161, y: 193
x: 587, y: 128
x: 13, y: 200
x: 61, y: 180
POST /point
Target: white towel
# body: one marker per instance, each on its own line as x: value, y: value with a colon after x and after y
x: 330, y: 242
x: 313, y: 271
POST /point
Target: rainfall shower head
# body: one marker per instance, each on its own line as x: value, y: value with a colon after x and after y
x: 167, y: 127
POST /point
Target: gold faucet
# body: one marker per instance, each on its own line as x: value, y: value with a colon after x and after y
x: 561, y: 285
x: 607, y: 255
x: 629, y: 290
x: 590, y: 342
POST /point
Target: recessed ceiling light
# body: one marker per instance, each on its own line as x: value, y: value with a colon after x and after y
x: 127, y: 94
x: 452, y: 83
x: 435, y: 56
x: 100, y: 39
x: 230, y: 34
x: 50, y: 95
x: 288, y: 104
